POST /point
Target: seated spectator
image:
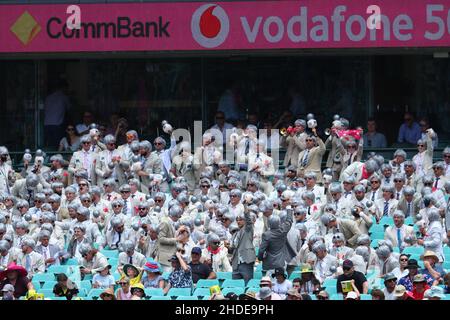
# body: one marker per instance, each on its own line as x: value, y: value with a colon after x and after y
x: 390, y: 281
x: 152, y: 277
x: 447, y: 283
x: 8, y: 292
x: 281, y: 285
x: 409, y: 131
x: 124, y: 292
x: 224, y: 127
x: 352, y: 295
x: 401, y: 293
x: 71, y: 141
x: 200, y: 270
x: 308, y: 282
x: 103, y: 279
x: 132, y: 272
x: 293, y: 294
x: 434, y: 293
x: 419, y: 287
x: 266, y: 282
x: 372, y: 138
x: 377, y: 294
x: 181, y: 276
x: 16, y: 276
x: 65, y: 287
x: 413, y: 268
x: 322, y: 295
x: 431, y: 266
x: 108, y: 294
x: 137, y: 291
x: 360, y: 281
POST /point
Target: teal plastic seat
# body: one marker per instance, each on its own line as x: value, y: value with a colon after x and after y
x: 409, y: 221
x: 186, y: 298
x: 95, y: 293
x: 110, y: 254
x: 295, y: 274
x: 85, y: 285
x: 44, y: 277
x: 59, y: 298
x: 365, y: 297
x: 447, y: 297
x: 258, y: 267
x: 224, y: 275
x: 152, y: 292
x: 201, y: 292
x: 446, y: 266
x: 166, y: 275
x: 36, y: 284
x: 387, y: 221
x: 253, y: 283
x: 48, y: 293
x: 331, y: 290
x: 113, y: 262
x: 233, y: 283
x: 49, y: 285
x: 257, y: 275
x: 71, y: 262
x: 414, y: 250
x: 377, y: 236
x: 236, y: 290
x: 446, y: 250
x: 329, y: 283
x: 206, y: 283
x: 374, y: 243
x: 174, y: 292
x: 160, y: 298
x: 376, y: 228
x: 60, y: 269
x: 337, y: 296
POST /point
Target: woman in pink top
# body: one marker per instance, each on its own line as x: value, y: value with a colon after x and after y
x: 124, y: 293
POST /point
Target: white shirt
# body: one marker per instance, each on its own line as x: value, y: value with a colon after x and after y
x: 226, y: 131
x: 281, y: 288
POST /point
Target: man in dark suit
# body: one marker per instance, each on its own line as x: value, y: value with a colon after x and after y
x: 51, y: 253
x: 242, y: 250
x: 275, y: 251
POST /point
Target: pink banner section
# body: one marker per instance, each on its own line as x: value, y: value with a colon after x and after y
x: 225, y: 26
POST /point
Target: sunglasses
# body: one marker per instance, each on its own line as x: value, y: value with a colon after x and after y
x: 37, y: 201
x: 123, y: 283
x: 86, y: 143
x: 346, y: 269
x: 351, y: 147
x: 82, y: 185
x: 158, y: 143
x: 421, y: 145
x: 117, y: 206
x: 142, y: 209
x: 309, y: 140
x: 403, y: 259
x: 205, y: 186
x: 216, y: 243
x: 84, y: 255
x: 158, y: 200
x: 447, y: 156
x: 250, y: 184
x: 87, y: 200
x: 334, y: 194
x: 398, y: 181
x: 233, y: 196
x: 374, y: 182
x: 125, y: 191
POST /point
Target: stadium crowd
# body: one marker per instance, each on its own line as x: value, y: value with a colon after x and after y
x: 141, y: 220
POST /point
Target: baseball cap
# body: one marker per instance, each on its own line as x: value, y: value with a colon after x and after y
x: 8, y: 287
x: 347, y: 264
x: 399, y: 291
x: 419, y: 278
x: 390, y: 276
x: 196, y: 250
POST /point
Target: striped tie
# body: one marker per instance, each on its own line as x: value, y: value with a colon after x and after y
x: 386, y: 208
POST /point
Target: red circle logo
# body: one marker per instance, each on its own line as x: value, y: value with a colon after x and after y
x: 210, y: 25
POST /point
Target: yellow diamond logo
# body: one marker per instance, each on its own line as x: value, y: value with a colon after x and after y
x: 25, y: 28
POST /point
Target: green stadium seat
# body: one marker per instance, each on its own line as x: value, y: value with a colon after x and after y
x: 337, y: 296
x: 49, y: 285
x: 71, y: 262
x: 224, y: 275
x: 186, y: 298
x: 160, y: 298
x: 44, y: 277
x: 95, y: 293
x: 174, y: 292
x: 377, y: 236
x: 413, y: 250
x: 47, y: 292
x: 110, y: 254
x: 376, y: 228
x: 236, y: 290
x: 253, y: 283
x: 85, y: 285
x: 201, y: 292
x: 387, y: 221
x: 295, y: 274
x: 409, y: 221
x: 206, y: 283
x: 233, y: 283
x: 154, y: 292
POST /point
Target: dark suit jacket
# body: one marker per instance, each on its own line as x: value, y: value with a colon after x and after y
x: 275, y: 251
